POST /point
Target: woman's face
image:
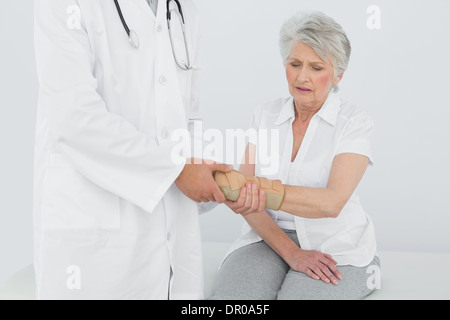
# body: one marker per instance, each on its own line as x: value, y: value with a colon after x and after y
x: 309, y: 77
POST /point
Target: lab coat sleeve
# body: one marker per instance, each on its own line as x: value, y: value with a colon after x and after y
x: 103, y: 147
x: 206, y: 207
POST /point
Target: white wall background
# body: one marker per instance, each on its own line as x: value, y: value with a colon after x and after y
x: 18, y: 96
x: 400, y: 74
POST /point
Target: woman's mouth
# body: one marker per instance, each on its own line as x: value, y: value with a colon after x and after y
x: 303, y: 90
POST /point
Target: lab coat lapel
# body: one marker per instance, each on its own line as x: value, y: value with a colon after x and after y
x: 143, y: 5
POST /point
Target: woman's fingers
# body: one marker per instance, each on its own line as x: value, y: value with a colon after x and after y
x: 321, y: 273
x: 330, y: 258
x: 329, y: 276
x: 311, y: 274
x: 322, y: 267
x: 317, y: 271
x: 258, y: 200
x: 244, y: 202
x: 241, y: 200
x: 248, y: 200
x: 237, y: 205
x: 255, y: 198
x: 330, y: 264
x: 251, y: 200
x: 262, y: 201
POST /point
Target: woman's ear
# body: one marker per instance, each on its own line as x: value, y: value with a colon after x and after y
x: 338, y: 79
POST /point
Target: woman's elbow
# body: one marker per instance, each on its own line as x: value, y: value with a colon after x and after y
x: 334, y: 208
x: 334, y: 214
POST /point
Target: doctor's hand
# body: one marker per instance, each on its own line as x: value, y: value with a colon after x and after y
x: 197, y: 183
x: 251, y: 200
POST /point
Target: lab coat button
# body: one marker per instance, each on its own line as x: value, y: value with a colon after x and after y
x: 165, y: 133
x: 163, y: 80
x: 168, y: 237
x: 159, y: 28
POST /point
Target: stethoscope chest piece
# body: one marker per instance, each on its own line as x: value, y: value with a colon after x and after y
x: 134, y: 40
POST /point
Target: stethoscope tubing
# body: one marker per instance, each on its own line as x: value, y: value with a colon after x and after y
x: 134, y: 41
x: 132, y: 36
x: 169, y: 12
x: 124, y: 23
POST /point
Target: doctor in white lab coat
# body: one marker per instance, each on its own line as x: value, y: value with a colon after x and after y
x: 110, y: 219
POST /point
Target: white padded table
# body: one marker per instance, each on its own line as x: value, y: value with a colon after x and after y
x: 404, y: 276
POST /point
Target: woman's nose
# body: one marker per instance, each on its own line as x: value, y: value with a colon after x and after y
x: 303, y: 76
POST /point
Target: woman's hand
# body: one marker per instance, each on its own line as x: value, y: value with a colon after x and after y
x: 315, y: 264
x: 251, y: 200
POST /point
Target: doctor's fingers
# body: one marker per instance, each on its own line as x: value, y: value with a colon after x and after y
x: 217, y: 195
x: 232, y: 205
x: 207, y: 199
x: 212, y: 197
x: 214, y: 167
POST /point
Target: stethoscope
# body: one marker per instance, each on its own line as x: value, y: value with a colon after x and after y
x: 134, y: 40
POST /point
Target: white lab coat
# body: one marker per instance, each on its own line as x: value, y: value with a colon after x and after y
x: 109, y: 221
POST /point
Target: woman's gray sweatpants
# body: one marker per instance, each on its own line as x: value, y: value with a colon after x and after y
x: 256, y: 272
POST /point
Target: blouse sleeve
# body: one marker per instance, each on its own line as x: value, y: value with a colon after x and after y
x: 356, y: 137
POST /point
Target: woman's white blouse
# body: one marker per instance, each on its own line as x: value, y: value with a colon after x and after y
x: 338, y: 127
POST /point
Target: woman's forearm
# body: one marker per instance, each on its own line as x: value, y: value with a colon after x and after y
x: 272, y: 234
x: 312, y: 203
x: 315, y: 203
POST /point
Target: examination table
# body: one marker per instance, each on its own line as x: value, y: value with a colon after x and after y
x: 404, y: 276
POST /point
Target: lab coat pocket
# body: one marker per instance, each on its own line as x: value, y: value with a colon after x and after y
x: 72, y: 202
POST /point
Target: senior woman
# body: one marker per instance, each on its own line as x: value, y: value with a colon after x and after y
x: 321, y: 243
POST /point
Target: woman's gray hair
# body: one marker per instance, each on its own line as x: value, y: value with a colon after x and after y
x: 323, y: 34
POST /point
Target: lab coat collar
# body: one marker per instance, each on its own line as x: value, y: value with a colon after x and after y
x: 329, y: 111
x: 144, y: 6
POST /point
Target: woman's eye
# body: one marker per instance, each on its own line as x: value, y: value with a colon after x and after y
x: 318, y: 69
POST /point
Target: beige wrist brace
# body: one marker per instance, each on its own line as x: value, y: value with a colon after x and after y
x: 231, y: 184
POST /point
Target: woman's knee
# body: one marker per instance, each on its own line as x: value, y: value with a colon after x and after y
x: 254, y: 272
x: 353, y: 286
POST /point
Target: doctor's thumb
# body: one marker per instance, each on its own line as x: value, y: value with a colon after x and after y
x: 221, y: 167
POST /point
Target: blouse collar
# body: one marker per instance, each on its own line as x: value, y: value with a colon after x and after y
x: 329, y: 111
